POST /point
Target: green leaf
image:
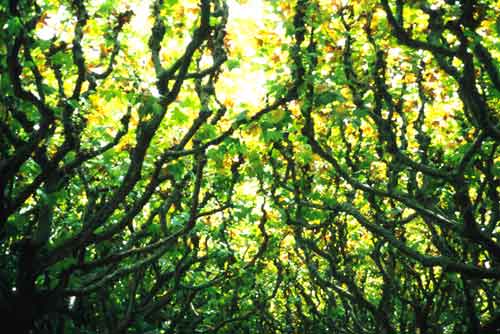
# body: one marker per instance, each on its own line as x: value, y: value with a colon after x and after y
x: 61, y: 58
x: 154, y: 229
x: 271, y: 135
x: 207, y: 131
x: 107, y: 7
x: 48, y: 89
x: 328, y: 97
x: 178, y: 117
x: 14, y: 25
x: 232, y: 64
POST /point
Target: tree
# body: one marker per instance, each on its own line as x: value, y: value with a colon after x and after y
x: 356, y: 191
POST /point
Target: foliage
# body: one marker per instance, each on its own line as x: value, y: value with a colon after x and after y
x: 250, y: 166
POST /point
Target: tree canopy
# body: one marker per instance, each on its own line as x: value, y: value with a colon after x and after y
x: 250, y: 166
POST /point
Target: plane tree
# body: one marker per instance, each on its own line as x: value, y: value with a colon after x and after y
x: 353, y: 189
